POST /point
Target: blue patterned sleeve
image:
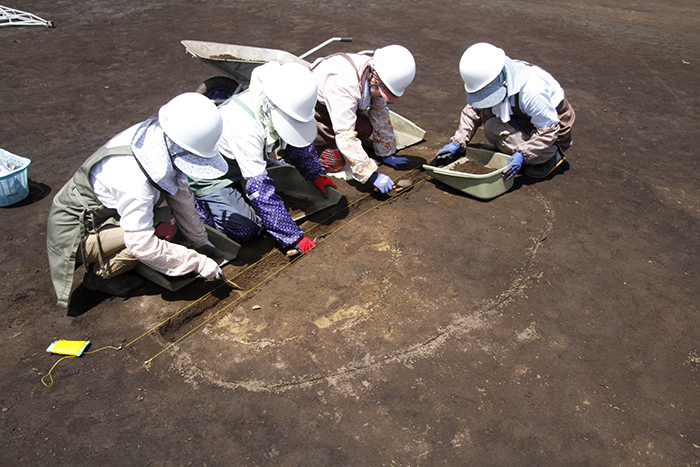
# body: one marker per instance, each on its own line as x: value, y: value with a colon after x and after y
x: 306, y: 161
x: 271, y: 209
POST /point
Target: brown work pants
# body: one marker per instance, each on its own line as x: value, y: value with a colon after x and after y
x: 116, y: 257
x: 508, y: 138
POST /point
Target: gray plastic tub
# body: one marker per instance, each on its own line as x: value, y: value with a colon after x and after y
x: 289, y: 181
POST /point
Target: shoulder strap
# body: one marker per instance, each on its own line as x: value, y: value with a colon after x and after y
x: 238, y: 101
x: 345, y: 56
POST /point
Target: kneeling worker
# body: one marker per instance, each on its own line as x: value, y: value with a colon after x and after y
x: 522, y: 108
x: 104, y: 216
x: 276, y: 111
x: 353, y: 93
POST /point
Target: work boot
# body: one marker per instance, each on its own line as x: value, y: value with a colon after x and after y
x: 546, y: 168
x: 122, y: 285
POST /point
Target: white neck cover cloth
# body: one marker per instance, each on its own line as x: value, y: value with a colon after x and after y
x: 517, y: 74
x: 150, y: 150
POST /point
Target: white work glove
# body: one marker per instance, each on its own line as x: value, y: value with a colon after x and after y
x: 209, y: 269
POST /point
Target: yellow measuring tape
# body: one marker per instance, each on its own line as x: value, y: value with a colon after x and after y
x: 48, y: 375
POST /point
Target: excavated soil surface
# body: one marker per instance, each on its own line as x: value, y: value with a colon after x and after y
x: 472, y: 167
x: 553, y: 325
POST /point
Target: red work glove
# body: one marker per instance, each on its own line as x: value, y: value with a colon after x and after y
x: 321, y: 182
x: 302, y: 246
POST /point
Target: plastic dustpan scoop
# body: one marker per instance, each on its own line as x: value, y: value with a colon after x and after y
x: 225, y: 245
x: 302, y: 198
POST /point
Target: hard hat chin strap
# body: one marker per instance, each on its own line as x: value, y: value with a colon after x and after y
x: 173, y: 148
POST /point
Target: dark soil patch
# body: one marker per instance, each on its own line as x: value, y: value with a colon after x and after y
x: 472, y: 167
x: 192, y: 315
x: 223, y: 57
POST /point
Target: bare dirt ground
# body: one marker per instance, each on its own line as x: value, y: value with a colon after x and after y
x: 555, y: 325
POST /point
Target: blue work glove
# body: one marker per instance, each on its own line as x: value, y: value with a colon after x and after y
x: 448, y: 150
x: 395, y: 161
x: 515, y: 163
x: 381, y: 182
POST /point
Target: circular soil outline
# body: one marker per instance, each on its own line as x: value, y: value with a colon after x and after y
x: 195, y: 369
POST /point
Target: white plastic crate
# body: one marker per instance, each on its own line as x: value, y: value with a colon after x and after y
x: 14, y: 185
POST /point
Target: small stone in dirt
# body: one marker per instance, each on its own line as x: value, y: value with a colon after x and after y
x: 256, y: 307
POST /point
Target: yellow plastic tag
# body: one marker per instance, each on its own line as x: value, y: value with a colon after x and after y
x: 64, y: 347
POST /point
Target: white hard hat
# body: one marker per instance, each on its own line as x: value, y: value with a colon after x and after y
x: 292, y: 89
x: 396, y: 67
x: 480, y: 64
x: 193, y: 122
x: 292, y: 131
